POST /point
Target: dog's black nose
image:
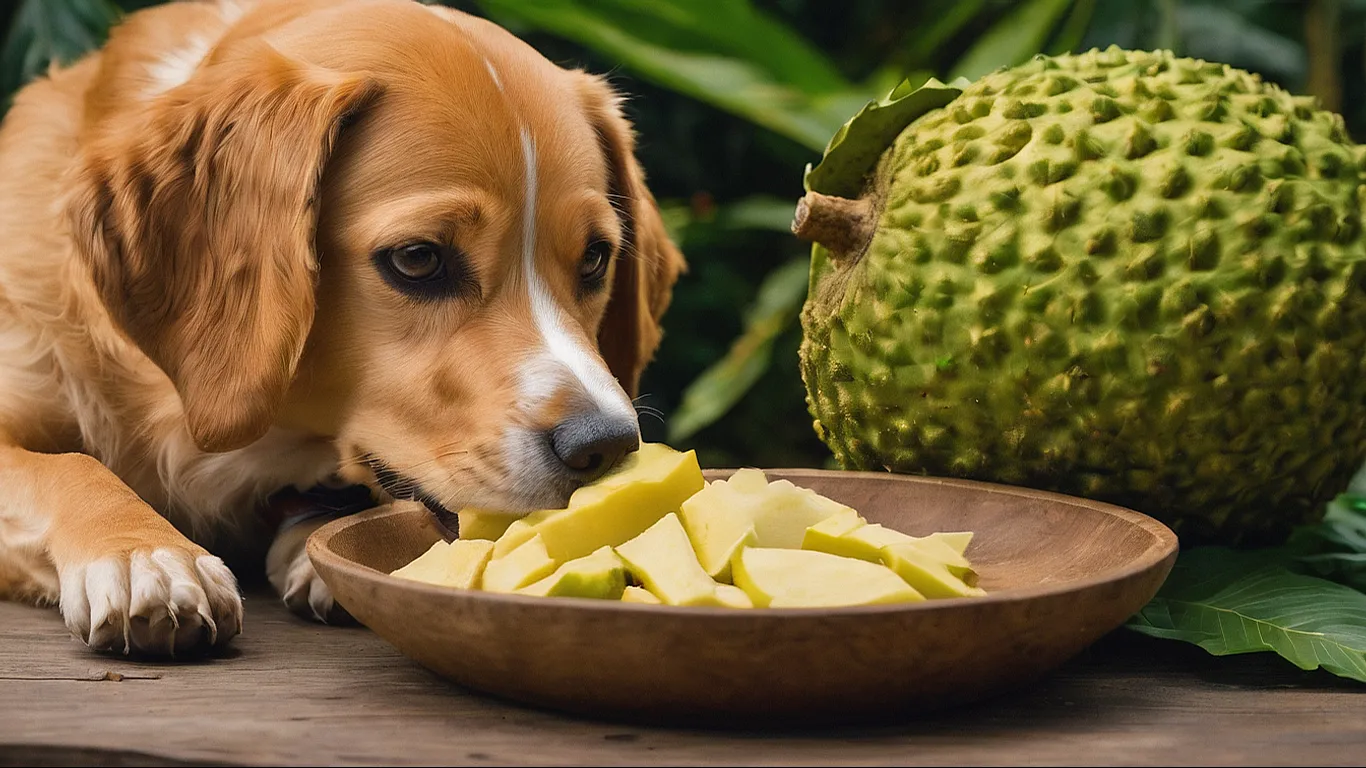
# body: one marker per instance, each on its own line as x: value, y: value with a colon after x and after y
x: 591, y: 443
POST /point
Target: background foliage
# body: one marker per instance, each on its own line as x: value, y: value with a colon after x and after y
x: 733, y: 98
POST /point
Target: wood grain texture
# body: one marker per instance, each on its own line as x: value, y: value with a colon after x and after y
x: 1059, y: 573
x: 294, y: 693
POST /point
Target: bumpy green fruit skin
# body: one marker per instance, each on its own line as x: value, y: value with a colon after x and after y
x: 1119, y: 275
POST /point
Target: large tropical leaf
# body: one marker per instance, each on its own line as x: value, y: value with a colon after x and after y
x: 1231, y: 602
x: 722, y: 52
x: 44, y: 32
x: 926, y: 42
x: 1018, y: 35
x: 1069, y: 37
x: 1217, y: 33
x: 718, y: 388
x: 1336, y: 548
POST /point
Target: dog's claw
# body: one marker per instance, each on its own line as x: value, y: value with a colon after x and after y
x: 299, y: 585
x: 307, y: 595
x: 161, y: 602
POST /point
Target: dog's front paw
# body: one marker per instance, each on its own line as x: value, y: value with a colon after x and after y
x: 165, y: 601
x: 305, y: 593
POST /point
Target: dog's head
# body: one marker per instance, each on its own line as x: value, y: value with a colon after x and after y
x: 401, y: 228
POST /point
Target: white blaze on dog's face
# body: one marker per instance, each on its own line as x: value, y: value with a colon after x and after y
x: 476, y: 221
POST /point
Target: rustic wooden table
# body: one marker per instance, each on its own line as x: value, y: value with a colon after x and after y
x: 296, y: 693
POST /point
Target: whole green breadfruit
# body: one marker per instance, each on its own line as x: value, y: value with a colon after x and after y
x: 1119, y: 275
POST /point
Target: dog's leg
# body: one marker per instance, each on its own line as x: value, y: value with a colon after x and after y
x: 293, y: 576
x: 125, y: 578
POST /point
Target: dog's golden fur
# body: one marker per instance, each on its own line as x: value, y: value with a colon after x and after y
x: 192, y: 315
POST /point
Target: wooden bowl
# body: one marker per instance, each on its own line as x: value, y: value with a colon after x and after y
x: 1060, y: 572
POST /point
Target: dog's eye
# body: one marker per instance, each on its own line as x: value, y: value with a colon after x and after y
x: 425, y: 271
x: 593, y: 267
x: 417, y: 262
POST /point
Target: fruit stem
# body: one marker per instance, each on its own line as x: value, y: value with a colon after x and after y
x: 843, y: 226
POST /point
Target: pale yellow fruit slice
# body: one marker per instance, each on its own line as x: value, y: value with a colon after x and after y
x: 828, y: 535
x: 931, y: 577
x: 522, y: 566
x: 484, y: 524
x: 639, y: 595
x: 648, y: 483
x: 662, y: 559
x: 517, y: 534
x: 600, y: 575
x: 731, y: 596
x: 798, y: 578
x: 457, y: 564
x: 718, y: 516
x: 747, y: 480
x: 429, y: 567
x: 468, y: 560
x: 717, y: 527
x: 958, y: 541
x: 783, y: 512
x: 866, y: 542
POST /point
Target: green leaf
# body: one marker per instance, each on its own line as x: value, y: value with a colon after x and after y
x: 1343, y: 529
x: 44, y: 32
x: 761, y: 212
x: 1335, y: 548
x: 1168, y: 27
x: 1209, y: 31
x: 721, y: 386
x: 857, y: 145
x: 722, y: 52
x: 756, y: 212
x: 1074, y: 29
x: 1229, y: 602
x: 925, y: 43
x: 1347, y: 568
x: 1018, y: 35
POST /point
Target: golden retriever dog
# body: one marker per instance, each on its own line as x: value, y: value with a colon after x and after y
x: 253, y: 246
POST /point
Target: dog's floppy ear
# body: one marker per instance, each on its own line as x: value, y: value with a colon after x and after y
x: 196, y: 221
x: 649, y: 264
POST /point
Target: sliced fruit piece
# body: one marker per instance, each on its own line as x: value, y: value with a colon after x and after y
x: 785, y: 511
x: 731, y: 596
x: 798, y: 578
x: 747, y: 480
x: 599, y: 575
x: 649, y: 483
x: 779, y: 511
x: 639, y: 595
x: 517, y: 534
x: 958, y: 541
x: 942, y: 552
x: 826, y: 536
x: 468, y: 561
x: 484, y: 524
x: 457, y: 564
x: 717, y: 528
x: 429, y: 567
x: 518, y: 568
x: 863, y: 542
x: 866, y: 542
x: 929, y: 576
x: 663, y: 560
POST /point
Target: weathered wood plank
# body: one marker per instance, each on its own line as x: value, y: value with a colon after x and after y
x: 295, y: 693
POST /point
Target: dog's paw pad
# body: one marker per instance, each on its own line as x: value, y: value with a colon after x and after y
x: 163, y: 602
